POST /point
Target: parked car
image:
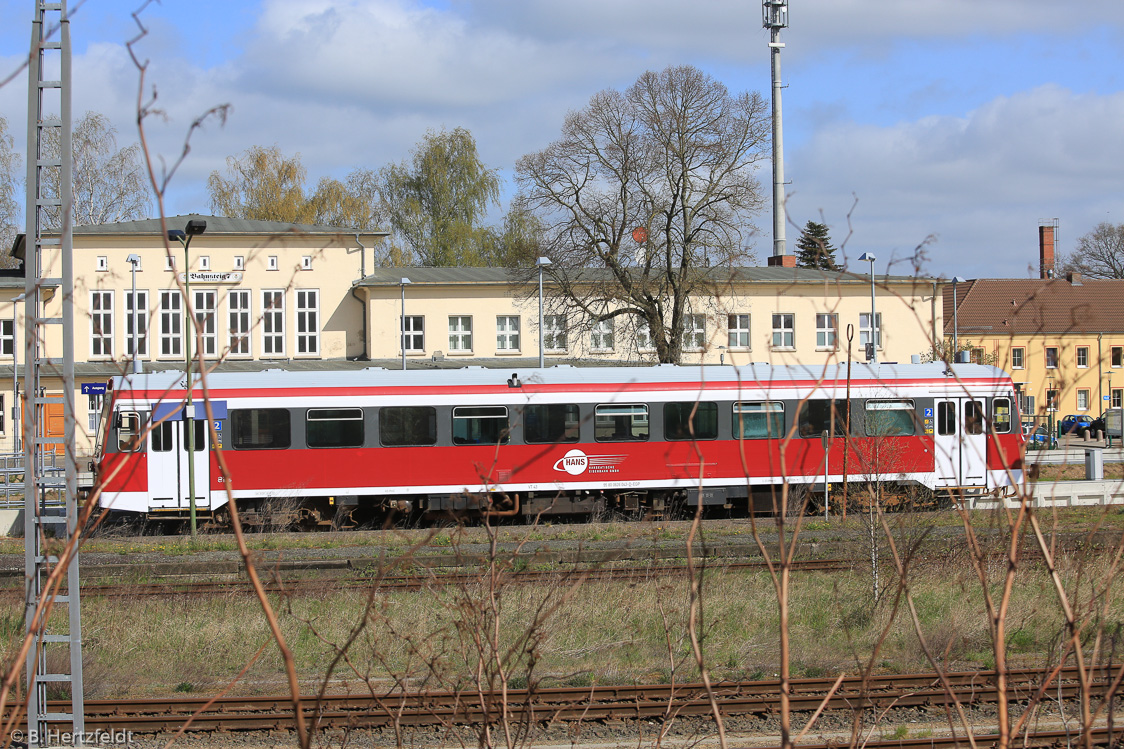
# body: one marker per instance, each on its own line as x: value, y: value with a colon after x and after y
x: 1076, y: 424
x: 1039, y: 438
x: 1109, y: 423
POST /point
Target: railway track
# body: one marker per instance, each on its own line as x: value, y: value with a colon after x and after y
x: 600, y: 703
x: 423, y: 580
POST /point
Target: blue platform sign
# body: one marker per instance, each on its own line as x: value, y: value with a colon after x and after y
x: 93, y: 388
x: 928, y: 413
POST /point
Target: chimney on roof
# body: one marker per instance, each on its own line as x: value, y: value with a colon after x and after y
x: 1073, y: 278
x: 1046, y: 251
x: 784, y: 261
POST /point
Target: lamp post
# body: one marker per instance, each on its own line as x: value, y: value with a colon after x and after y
x: 402, y: 324
x: 542, y: 262
x: 15, y: 375
x: 134, y: 260
x: 194, y: 228
x: 955, y: 320
x: 872, y: 356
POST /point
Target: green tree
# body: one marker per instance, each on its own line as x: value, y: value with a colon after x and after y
x: 109, y: 183
x: 644, y: 190
x: 436, y: 202
x: 265, y: 185
x: 813, y: 249
x: 9, y: 185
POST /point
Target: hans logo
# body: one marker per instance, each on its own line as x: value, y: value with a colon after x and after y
x: 574, y: 463
x: 577, y: 462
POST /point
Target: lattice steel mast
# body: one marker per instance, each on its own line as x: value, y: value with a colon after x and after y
x: 49, y: 284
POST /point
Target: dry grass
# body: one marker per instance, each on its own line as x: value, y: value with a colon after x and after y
x: 604, y: 633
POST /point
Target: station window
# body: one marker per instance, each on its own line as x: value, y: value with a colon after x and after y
x: 690, y: 421
x: 1083, y: 356
x: 550, y: 423
x: 758, y: 420
x: 334, y: 427
x: 1083, y: 400
x: 405, y: 426
x: 1018, y: 357
x: 886, y: 418
x: 626, y: 422
x: 1117, y: 356
x: 1117, y: 398
x: 1051, y: 357
x: 260, y: 429
x: 1051, y: 400
x: 480, y: 425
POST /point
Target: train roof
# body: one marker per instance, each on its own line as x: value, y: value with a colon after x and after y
x: 476, y: 377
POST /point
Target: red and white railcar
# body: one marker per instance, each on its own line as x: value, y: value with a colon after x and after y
x: 555, y: 440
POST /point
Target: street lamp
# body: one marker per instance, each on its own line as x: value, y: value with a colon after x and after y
x: 955, y: 320
x: 194, y: 228
x: 542, y: 262
x: 872, y: 354
x: 402, y: 323
x: 15, y: 375
x: 134, y: 260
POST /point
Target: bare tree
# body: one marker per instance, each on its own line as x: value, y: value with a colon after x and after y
x: 1099, y: 253
x: 110, y: 183
x: 647, y: 186
x: 9, y: 182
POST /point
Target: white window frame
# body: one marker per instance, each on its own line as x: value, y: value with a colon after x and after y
x: 239, y: 262
x: 413, y: 334
x: 1083, y: 399
x: 306, y: 262
x: 739, y: 327
x: 171, y: 324
x: 239, y: 305
x: 102, y: 263
x: 827, y: 331
x: 272, y: 323
x: 271, y: 263
x: 94, y: 404
x: 1046, y: 356
x: 1078, y: 356
x: 169, y: 263
x: 601, y: 337
x: 1022, y: 357
x: 507, y: 334
x: 307, y: 311
x: 7, y: 338
x: 694, y: 332
x: 205, y: 306
x: 136, y: 314
x: 204, y: 262
x: 554, y: 333
x: 784, y: 331
x: 460, y: 334
x: 864, y: 329
x: 644, y: 340
x: 101, y: 324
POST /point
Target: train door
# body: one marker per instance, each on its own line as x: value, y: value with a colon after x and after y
x: 959, y: 442
x: 169, y: 470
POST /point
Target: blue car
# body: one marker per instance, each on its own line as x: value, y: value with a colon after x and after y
x: 1077, y: 424
x: 1040, y: 438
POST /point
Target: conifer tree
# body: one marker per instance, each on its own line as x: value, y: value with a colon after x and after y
x: 814, y: 250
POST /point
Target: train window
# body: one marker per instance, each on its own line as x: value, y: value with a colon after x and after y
x: 686, y: 421
x: 885, y: 418
x: 406, y: 426
x: 1001, y: 415
x: 946, y: 418
x: 818, y: 416
x: 758, y: 420
x: 550, y: 423
x: 334, y: 427
x: 260, y: 429
x: 973, y: 417
x: 480, y: 425
x: 128, y: 425
x: 162, y: 437
x: 621, y: 423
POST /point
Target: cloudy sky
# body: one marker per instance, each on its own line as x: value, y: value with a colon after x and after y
x: 955, y: 124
